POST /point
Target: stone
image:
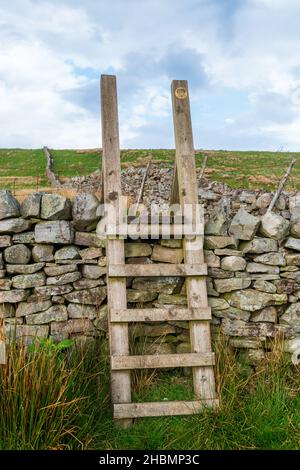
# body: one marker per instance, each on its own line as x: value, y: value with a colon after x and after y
x: 55, y: 207
x: 233, y: 314
x: 227, y: 252
x: 133, y: 250
x: 291, y: 315
x: 73, y: 326
x: 264, y: 286
x: 217, y: 223
x: 264, y: 200
x: 173, y: 299
x: 27, y: 308
x: 27, y: 281
x: 91, y: 253
x: 27, y: 333
x: 295, y: 228
x: 246, y: 343
x: 208, y: 194
x: 157, y: 348
x: 5, y: 284
x: 5, y: 240
x: 82, y: 311
x: 167, y: 255
x: 13, y: 296
x: 267, y: 314
x: 31, y: 206
x: 56, y: 313
x: 274, y: 259
x: 244, y: 225
x: 88, y: 296
x: 7, y: 311
x: 24, y: 268
x: 156, y: 330
x: 211, y: 259
x: 57, y: 231
x: 233, y: 263
x: 217, y: 304
x: 166, y: 285
x: 25, y: 237
x: 293, y: 243
x: 212, y: 242
x: 252, y: 357
x: 292, y: 345
x: 258, y: 276
x: 171, y: 243
x: 43, y: 253
x: 63, y: 279
x: 93, y: 272
x: 67, y: 252
x: 241, y: 328
x: 101, y: 322
x: 9, y: 206
x: 55, y: 270
x: 274, y: 226
x: 88, y: 239
x: 259, y: 245
x: 286, y: 286
x: 58, y: 299
x: 53, y: 290
x: 262, y: 268
x: 85, y: 215
x: 84, y: 283
x: 9, y: 226
x: 292, y: 259
x: 140, y: 296
x: 220, y: 273
x: 17, y: 254
x: 252, y: 300
x: 2, y: 273
x: 295, y: 275
x: 248, y: 197
x: 228, y: 285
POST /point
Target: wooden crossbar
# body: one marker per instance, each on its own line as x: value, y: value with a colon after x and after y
x: 162, y: 408
x: 157, y: 269
x: 162, y: 361
x: 160, y: 314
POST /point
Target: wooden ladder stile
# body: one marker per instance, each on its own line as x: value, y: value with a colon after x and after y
x: 194, y: 270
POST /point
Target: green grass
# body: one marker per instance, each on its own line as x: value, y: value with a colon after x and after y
x: 253, y: 170
x: 58, y: 400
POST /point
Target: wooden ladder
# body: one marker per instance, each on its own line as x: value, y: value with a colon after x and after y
x: 185, y: 191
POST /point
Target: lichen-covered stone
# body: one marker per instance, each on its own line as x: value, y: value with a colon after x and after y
x: 228, y: 285
x: 56, y: 270
x: 82, y: 311
x: 5, y: 284
x: 63, y: 279
x: 174, y: 299
x: 55, y: 313
x: 262, y: 268
x: 241, y: 328
x: 53, y: 290
x: 13, y: 296
x: 55, y: 207
x: 5, y: 240
x: 25, y: 237
x: 17, y: 254
x: 27, y: 308
x: 27, y: 281
x: 140, y: 296
x: 85, y: 212
x: 87, y: 297
x: 259, y: 245
x: 274, y: 226
x: 84, y: 283
x: 67, y: 252
x: 133, y: 250
x: 252, y: 300
x: 167, y: 255
x: 211, y: 259
x: 212, y: 242
x: 166, y: 285
x: 31, y: 206
x: 57, y: 231
x: 264, y: 286
x: 24, y: 268
x: 244, y: 225
x: 9, y: 206
x: 233, y: 263
x: 73, y: 326
x: 88, y: 239
x: 93, y: 272
x: 10, y: 226
x: 91, y: 253
x: 293, y: 243
x: 291, y: 315
x: 218, y: 273
x: 43, y: 253
x: 274, y: 259
x: 267, y: 314
x: 217, y: 223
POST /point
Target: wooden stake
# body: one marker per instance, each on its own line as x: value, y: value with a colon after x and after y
x: 116, y: 288
x: 281, y: 186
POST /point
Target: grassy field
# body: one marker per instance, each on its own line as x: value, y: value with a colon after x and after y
x: 66, y: 404
x: 25, y: 169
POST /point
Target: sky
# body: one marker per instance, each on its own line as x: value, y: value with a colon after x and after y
x: 240, y: 57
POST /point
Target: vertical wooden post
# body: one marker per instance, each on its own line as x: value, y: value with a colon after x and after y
x: 116, y: 287
x: 2, y: 336
x: 204, y: 381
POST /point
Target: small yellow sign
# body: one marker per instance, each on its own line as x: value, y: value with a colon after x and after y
x: 181, y: 93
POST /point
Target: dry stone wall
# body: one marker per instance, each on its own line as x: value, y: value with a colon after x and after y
x: 53, y: 272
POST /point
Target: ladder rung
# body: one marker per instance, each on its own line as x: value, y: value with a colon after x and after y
x: 158, y: 269
x: 162, y: 408
x: 160, y: 361
x: 160, y: 314
x: 155, y: 230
